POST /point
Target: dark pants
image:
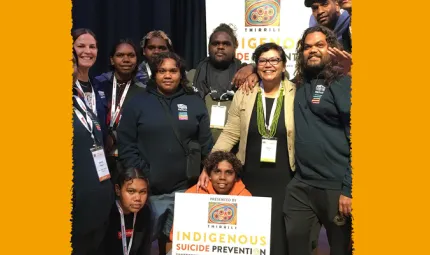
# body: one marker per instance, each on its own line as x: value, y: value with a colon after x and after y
x: 304, y: 207
x: 89, y: 244
x: 162, y: 207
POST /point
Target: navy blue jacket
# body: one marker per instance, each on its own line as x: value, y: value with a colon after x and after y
x: 146, y: 139
x: 103, y: 85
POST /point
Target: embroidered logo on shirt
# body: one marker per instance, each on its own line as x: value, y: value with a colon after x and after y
x: 319, y: 92
x: 182, y: 107
x: 183, y: 116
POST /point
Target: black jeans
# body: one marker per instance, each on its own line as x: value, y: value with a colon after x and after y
x: 304, y: 207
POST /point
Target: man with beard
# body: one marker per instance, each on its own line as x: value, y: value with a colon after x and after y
x: 153, y: 43
x: 320, y: 191
x: 327, y: 13
x: 214, y: 76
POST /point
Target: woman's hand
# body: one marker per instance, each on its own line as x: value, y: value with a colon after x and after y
x: 203, y: 180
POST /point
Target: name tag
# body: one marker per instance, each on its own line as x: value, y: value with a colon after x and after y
x: 218, y: 113
x: 100, y: 163
x: 268, y: 150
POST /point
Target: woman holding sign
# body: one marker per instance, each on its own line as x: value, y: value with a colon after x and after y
x: 92, y: 188
x: 117, y: 88
x: 262, y: 122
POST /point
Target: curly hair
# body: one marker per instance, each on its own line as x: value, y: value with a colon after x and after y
x: 159, y: 59
x: 228, y: 30
x: 329, y: 72
x: 156, y: 34
x: 212, y: 161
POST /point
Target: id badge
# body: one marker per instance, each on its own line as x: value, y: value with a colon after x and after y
x: 268, y: 150
x: 218, y: 113
x: 100, y: 163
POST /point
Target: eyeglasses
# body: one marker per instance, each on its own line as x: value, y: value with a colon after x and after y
x: 272, y: 61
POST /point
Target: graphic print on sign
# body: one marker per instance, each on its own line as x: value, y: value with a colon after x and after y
x: 262, y: 13
x: 222, y: 213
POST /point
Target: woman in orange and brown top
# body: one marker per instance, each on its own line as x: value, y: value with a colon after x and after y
x: 224, y: 170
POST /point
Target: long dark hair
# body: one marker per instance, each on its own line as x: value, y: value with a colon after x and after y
x: 75, y: 35
x: 329, y: 73
x: 158, y: 60
x: 136, y: 51
x: 81, y: 31
x: 128, y: 174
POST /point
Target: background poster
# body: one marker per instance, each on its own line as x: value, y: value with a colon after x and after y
x: 260, y: 21
x: 216, y: 224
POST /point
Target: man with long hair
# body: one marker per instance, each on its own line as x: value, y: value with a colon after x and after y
x: 320, y: 191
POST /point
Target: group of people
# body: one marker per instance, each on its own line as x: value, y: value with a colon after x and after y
x: 149, y: 128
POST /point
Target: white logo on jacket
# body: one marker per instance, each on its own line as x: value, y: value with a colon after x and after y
x: 320, y: 89
x: 182, y: 107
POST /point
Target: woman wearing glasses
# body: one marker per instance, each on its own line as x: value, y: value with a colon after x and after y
x: 262, y: 122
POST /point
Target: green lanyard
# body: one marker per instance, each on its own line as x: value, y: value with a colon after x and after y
x: 263, y: 129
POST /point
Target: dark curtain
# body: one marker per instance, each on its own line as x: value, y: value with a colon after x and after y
x: 189, y: 33
x: 183, y: 20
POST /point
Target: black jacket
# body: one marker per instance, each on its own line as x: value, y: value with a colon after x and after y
x: 209, y: 80
x: 92, y: 199
x: 322, y: 124
x: 146, y: 139
x: 112, y: 244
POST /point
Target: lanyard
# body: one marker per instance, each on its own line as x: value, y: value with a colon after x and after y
x: 272, y: 112
x: 86, y: 121
x: 148, y: 70
x: 126, y: 250
x: 93, y: 97
x: 114, y: 108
